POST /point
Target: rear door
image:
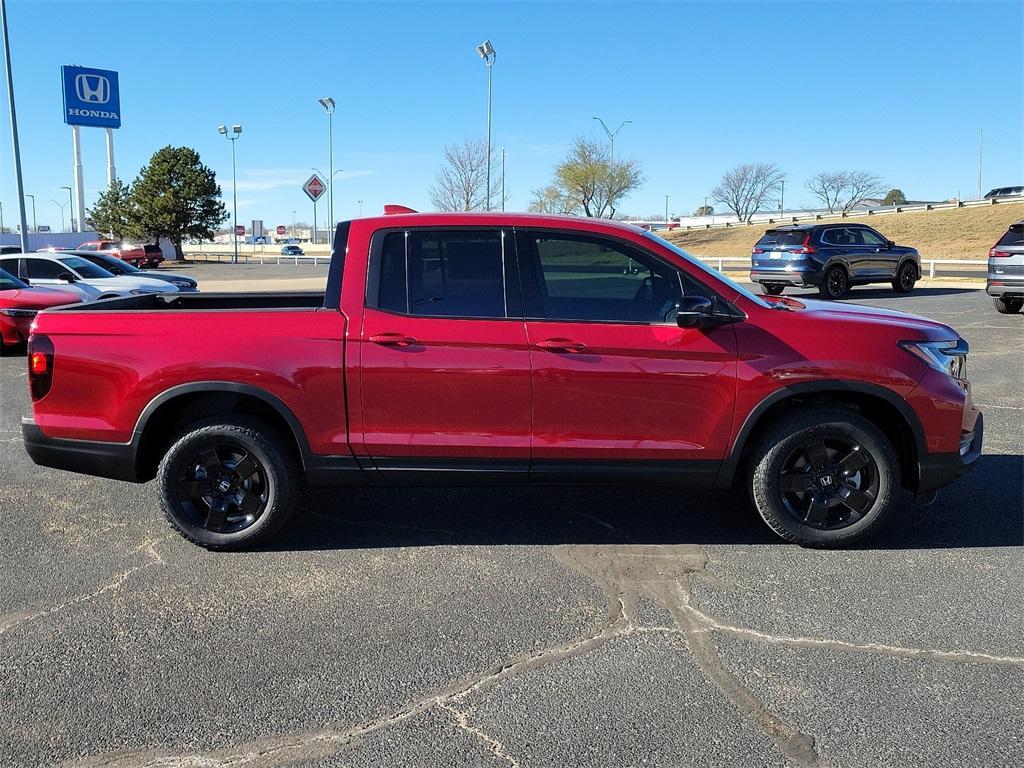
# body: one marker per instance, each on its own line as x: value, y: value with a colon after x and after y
x: 846, y: 246
x: 44, y: 272
x: 618, y: 386
x: 444, y: 367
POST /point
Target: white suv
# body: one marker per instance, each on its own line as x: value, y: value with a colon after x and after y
x: 74, y: 272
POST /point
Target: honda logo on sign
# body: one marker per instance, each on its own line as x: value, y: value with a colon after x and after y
x: 92, y: 89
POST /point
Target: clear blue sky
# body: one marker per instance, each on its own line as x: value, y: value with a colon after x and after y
x: 900, y: 89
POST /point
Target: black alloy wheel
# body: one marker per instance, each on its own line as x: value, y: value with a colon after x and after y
x: 835, y: 285
x: 905, y: 278
x: 223, y: 488
x: 828, y: 483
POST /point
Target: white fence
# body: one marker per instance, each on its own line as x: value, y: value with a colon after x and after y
x: 261, y: 258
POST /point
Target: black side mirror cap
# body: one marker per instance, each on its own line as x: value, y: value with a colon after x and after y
x: 890, y: 243
x: 67, y: 277
x: 694, y: 311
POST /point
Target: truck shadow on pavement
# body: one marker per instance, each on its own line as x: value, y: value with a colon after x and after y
x: 984, y: 509
x: 861, y: 293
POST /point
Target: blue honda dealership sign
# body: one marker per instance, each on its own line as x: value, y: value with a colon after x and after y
x: 91, y: 97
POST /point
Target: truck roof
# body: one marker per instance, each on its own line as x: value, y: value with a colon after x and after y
x: 470, y: 218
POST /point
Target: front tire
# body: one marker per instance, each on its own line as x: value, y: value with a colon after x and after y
x: 228, y: 483
x: 835, y: 284
x: 1007, y: 306
x: 905, y: 278
x: 773, y: 289
x: 824, y: 477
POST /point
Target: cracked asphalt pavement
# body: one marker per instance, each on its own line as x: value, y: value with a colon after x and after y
x: 522, y: 627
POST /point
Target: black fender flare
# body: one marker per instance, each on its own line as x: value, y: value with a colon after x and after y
x: 727, y: 471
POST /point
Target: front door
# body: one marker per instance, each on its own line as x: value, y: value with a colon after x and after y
x: 618, y: 386
x: 444, y: 368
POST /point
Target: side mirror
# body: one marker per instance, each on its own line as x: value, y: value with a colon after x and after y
x: 67, y: 277
x: 694, y: 311
x: 890, y: 244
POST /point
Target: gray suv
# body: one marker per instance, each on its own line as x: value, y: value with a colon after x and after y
x: 1005, y: 282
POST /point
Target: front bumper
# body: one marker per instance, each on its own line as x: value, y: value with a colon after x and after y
x: 87, y: 457
x: 937, y: 470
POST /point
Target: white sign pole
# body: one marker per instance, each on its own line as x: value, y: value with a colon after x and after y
x: 76, y: 147
x: 111, y: 171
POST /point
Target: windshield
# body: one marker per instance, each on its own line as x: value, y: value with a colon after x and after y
x: 9, y: 282
x: 84, y: 268
x: 704, y: 267
x: 114, y: 265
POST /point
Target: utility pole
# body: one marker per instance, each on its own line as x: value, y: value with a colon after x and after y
x: 981, y: 134
x: 14, y: 129
x: 611, y: 137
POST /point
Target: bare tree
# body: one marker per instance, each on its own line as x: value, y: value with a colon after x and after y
x: 591, y: 181
x: 461, y: 183
x: 552, y: 199
x: 744, y: 189
x: 844, y: 190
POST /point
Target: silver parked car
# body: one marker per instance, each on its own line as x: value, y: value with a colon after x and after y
x: 1005, y: 282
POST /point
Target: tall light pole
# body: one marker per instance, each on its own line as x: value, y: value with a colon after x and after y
x: 611, y: 136
x: 502, y: 179
x: 236, y: 131
x: 981, y: 136
x: 360, y: 209
x: 61, y: 206
x: 486, y: 52
x: 328, y: 104
x: 666, y: 212
x: 782, y: 199
x: 71, y: 211
x: 293, y: 226
x: 14, y: 129
x: 35, y: 228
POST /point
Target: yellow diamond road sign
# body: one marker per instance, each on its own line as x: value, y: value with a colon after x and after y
x: 314, y: 187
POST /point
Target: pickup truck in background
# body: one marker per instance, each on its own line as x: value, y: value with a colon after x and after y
x: 453, y: 349
x: 145, y: 256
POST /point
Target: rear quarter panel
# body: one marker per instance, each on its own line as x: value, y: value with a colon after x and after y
x: 109, y: 365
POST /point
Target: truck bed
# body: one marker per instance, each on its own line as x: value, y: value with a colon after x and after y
x: 201, y: 302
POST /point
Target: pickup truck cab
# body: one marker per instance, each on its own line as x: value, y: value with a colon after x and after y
x: 503, y: 348
x: 146, y: 255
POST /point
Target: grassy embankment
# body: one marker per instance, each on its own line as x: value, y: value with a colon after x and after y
x: 953, y: 233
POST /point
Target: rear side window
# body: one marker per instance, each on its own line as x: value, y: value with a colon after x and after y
x: 1013, y: 236
x: 41, y: 269
x: 440, y: 273
x: 782, y: 237
x: 841, y: 236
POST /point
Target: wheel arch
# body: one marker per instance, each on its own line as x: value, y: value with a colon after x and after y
x: 170, y: 411
x: 883, y: 407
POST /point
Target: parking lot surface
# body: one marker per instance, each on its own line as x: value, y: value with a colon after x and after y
x: 524, y: 627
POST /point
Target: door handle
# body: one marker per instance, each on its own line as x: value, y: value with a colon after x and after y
x: 393, y: 339
x: 561, y: 345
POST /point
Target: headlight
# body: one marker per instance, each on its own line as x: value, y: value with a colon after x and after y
x: 949, y: 357
x: 18, y: 312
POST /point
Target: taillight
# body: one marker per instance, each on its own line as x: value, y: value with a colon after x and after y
x: 806, y: 247
x: 758, y: 250
x: 40, y: 365
x: 994, y: 254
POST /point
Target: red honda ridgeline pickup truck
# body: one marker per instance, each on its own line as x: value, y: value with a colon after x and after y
x: 452, y: 349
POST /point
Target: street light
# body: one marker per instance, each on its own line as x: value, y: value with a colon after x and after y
x: 330, y: 178
x: 71, y: 210
x: 14, y: 126
x: 612, y: 135
x: 360, y: 208
x: 236, y: 131
x: 61, y: 206
x: 328, y: 104
x: 34, y: 227
x: 486, y: 52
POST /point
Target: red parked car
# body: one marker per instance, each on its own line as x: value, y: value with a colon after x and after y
x: 148, y: 256
x: 19, y: 303
x: 503, y: 348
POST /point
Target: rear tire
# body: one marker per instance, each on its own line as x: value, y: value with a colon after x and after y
x: 905, y: 278
x: 228, y: 483
x: 1007, y: 306
x: 824, y: 477
x: 773, y: 289
x: 835, y: 284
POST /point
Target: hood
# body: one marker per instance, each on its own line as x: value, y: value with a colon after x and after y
x: 167, y: 276
x: 37, y: 298
x: 826, y: 311
x: 131, y: 283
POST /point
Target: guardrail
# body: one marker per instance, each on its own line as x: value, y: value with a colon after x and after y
x: 776, y: 219
x: 261, y: 258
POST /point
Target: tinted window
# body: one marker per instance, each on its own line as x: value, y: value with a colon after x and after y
x: 584, y: 278
x: 782, y: 237
x: 455, y: 273
x: 86, y: 269
x: 41, y: 269
x: 87, y: 247
x: 9, y: 282
x: 112, y: 265
x: 841, y: 236
x: 1015, y: 236
x: 108, y: 246
x: 869, y: 237
x: 10, y: 266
